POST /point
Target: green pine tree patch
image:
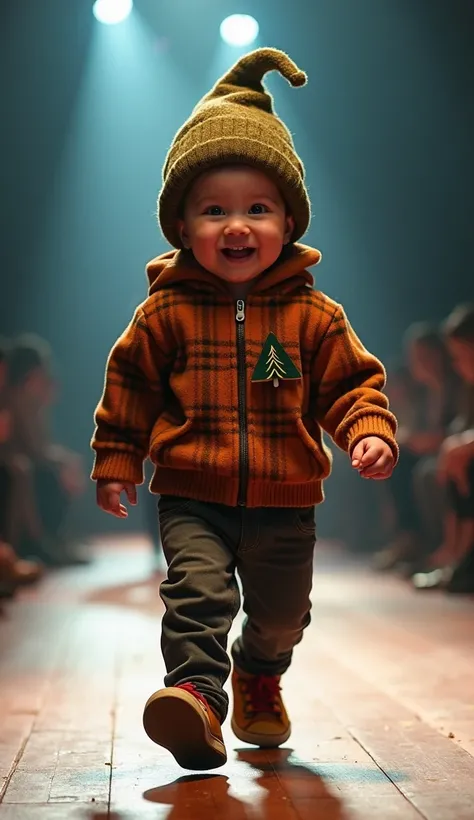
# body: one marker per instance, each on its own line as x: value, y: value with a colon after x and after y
x: 274, y: 363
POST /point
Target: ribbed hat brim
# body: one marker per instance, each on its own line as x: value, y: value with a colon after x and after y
x: 221, y: 151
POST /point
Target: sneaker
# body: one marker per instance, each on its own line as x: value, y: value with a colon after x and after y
x: 433, y: 579
x: 259, y: 715
x: 180, y: 719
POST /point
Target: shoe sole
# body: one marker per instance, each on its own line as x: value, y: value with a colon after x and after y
x: 264, y: 741
x: 173, y: 718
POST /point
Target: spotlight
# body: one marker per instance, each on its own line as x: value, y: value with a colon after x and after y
x: 239, y: 30
x: 111, y: 12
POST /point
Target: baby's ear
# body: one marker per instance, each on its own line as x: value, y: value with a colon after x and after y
x: 182, y: 233
x: 290, y: 227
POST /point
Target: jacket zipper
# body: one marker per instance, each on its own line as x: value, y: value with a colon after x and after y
x: 242, y: 393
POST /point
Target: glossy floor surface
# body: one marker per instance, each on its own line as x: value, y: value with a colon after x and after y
x: 381, y: 695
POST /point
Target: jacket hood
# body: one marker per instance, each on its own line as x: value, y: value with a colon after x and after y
x: 177, y: 267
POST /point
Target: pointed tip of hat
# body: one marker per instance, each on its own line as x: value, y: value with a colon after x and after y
x: 252, y: 67
x: 299, y: 78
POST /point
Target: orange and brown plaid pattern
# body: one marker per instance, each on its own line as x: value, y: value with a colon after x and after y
x: 172, y: 389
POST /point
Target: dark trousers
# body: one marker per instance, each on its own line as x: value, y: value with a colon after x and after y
x: 204, y: 545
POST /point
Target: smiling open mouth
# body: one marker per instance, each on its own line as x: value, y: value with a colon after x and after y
x: 238, y: 253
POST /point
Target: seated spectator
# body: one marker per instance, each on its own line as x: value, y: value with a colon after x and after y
x: 404, y: 395
x: 430, y: 368
x: 57, y: 472
x: 452, y: 565
x: 13, y: 571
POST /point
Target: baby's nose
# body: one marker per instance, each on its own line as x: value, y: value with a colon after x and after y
x: 236, y: 226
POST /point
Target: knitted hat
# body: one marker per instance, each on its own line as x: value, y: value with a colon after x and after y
x: 236, y: 123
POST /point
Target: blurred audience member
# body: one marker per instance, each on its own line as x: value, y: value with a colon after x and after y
x: 420, y: 440
x: 452, y: 566
x: 13, y: 571
x: 404, y: 395
x: 57, y: 472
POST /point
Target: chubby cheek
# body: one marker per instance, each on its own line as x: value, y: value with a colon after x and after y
x: 205, y: 232
x: 204, y: 247
x: 204, y: 239
x: 270, y: 247
x: 271, y: 235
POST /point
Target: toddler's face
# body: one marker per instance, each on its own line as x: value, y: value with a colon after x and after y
x: 235, y: 222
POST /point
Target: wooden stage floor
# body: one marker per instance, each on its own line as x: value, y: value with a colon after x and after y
x: 381, y: 694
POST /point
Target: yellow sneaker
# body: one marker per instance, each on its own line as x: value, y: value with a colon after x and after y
x: 259, y: 714
x: 180, y: 719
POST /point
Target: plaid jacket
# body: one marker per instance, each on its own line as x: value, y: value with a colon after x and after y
x: 179, y: 387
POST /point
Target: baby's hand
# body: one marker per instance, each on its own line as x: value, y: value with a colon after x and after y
x: 373, y: 458
x: 108, y: 496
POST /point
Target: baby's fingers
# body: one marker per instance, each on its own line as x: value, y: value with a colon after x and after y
x: 109, y: 500
x: 380, y: 468
x: 369, y: 458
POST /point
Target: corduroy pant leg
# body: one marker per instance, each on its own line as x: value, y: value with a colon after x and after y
x: 275, y: 564
x: 200, y: 594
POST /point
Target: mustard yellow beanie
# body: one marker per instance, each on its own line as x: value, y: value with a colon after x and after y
x: 236, y: 122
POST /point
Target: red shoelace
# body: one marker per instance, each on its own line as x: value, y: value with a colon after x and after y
x: 190, y: 687
x: 262, y: 694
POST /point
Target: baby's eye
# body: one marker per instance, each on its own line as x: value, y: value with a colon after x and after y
x: 258, y: 208
x: 214, y: 210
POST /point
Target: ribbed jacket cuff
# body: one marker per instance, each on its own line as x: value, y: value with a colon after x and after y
x: 372, y: 426
x: 118, y: 466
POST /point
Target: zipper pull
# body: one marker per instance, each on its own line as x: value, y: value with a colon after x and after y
x: 240, y: 315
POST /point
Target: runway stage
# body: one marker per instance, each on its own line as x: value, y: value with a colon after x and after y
x: 381, y: 695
